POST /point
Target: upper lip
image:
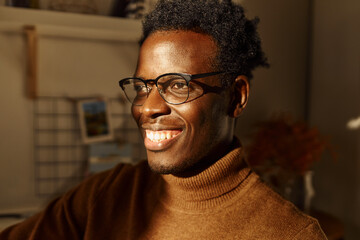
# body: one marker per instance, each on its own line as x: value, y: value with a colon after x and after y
x: 161, y: 123
x: 160, y: 127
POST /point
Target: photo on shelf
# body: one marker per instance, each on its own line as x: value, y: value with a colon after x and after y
x: 95, y: 123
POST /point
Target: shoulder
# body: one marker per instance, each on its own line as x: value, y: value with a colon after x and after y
x: 122, y: 175
x: 277, y: 216
x: 107, y: 188
x: 67, y: 216
x: 101, y: 187
x: 123, y: 182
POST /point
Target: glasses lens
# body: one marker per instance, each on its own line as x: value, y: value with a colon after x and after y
x: 135, y: 90
x: 173, y: 88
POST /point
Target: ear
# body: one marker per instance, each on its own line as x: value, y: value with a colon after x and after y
x: 240, y: 97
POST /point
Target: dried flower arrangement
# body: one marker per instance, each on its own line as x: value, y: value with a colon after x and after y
x: 284, y: 149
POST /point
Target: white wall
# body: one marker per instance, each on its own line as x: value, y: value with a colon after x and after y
x: 335, y: 99
x: 75, y: 67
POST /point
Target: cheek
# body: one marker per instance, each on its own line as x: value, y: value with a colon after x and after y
x: 193, y: 114
x: 214, y: 118
x: 203, y: 117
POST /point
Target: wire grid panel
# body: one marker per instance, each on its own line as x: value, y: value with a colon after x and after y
x: 60, y: 157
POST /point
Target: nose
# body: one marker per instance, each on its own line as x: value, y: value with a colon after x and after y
x: 155, y: 106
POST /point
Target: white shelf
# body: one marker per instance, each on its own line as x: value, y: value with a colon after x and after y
x: 61, y: 24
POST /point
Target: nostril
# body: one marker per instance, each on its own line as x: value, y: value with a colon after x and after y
x: 156, y: 115
x: 155, y: 106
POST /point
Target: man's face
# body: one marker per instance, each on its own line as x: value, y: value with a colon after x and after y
x: 179, y: 137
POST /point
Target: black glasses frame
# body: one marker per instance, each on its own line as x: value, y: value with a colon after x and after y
x: 186, y: 76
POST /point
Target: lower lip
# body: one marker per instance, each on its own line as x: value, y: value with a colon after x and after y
x: 161, y: 145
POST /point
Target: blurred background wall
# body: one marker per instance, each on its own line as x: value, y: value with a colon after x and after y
x: 313, y: 50
x: 334, y: 100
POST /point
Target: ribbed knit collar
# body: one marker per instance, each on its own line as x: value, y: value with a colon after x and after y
x: 210, y: 187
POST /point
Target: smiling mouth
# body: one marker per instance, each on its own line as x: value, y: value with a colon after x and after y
x: 162, y: 135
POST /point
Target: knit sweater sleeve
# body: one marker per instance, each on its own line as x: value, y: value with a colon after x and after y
x: 66, y: 216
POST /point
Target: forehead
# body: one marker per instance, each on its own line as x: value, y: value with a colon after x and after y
x: 177, y: 51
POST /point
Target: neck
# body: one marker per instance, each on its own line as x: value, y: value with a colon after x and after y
x: 198, y: 191
x: 209, y: 160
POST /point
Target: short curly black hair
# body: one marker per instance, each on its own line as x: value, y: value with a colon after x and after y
x: 236, y: 36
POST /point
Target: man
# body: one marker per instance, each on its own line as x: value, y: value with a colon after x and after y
x: 190, y: 85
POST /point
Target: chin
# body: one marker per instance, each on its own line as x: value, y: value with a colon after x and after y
x: 166, y: 169
x: 172, y: 166
x: 163, y: 170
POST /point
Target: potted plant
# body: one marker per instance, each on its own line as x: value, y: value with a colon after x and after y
x: 283, y: 151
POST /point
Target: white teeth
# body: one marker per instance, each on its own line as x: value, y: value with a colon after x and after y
x: 157, y: 136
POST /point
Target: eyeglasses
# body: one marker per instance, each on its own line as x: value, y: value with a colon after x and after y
x: 174, y: 88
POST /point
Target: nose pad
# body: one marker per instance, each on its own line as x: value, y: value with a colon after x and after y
x: 155, y: 105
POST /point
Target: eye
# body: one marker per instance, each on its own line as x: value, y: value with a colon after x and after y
x: 139, y: 87
x: 173, y: 84
x: 178, y: 85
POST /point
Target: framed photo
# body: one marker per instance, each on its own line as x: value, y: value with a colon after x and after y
x: 95, y: 123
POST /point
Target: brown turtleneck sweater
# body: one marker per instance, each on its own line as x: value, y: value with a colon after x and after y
x: 226, y: 201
